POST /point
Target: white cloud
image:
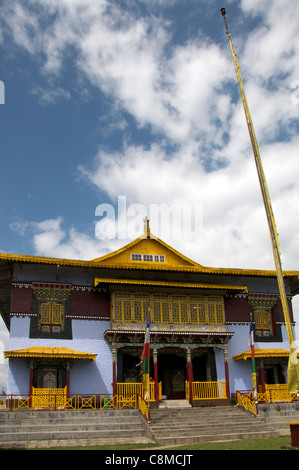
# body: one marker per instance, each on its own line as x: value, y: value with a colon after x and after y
x: 130, y: 59
x: 51, y: 95
x: 234, y: 223
x: 185, y: 94
x: 49, y: 238
x: 22, y: 24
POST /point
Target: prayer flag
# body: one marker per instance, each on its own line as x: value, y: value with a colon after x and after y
x: 293, y: 378
x: 145, y: 358
x: 251, y: 335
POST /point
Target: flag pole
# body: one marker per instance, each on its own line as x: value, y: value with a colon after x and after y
x: 293, y: 366
x: 254, y: 382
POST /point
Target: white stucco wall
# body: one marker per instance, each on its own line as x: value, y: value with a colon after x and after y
x: 86, y: 377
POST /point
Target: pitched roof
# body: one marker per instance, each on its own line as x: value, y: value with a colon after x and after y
x: 146, y: 244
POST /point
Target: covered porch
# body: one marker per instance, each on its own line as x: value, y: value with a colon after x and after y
x: 271, y: 373
x: 271, y: 366
x: 183, y: 364
x: 48, y: 368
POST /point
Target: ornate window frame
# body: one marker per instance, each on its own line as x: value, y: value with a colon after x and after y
x: 51, y: 298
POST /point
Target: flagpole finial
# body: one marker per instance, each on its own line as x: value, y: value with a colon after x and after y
x: 147, y: 231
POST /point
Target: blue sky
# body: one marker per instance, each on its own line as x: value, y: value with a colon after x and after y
x: 139, y: 99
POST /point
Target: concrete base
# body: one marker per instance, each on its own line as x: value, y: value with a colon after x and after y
x: 206, y: 403
x: 174, y: 404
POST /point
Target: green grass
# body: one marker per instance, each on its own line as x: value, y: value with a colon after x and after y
x: 279, y: 443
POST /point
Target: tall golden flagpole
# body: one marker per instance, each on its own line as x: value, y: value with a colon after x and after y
x: 293, y: 366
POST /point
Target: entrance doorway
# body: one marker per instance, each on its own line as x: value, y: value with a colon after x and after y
x: 274, y: 374
x: 199, y: 367
x: 49, y: 377
x: 172, y: 373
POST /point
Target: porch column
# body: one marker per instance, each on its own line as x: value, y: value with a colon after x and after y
x: 189, y: 372
x: 262, y: 376
x: 68, y: 367
x: 30, y: 381
x: 155, y: 358
x: 30, y: 377
x: 114, y: 376
x: 226, y: 372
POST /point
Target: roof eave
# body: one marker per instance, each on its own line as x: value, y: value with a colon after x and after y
x: 97, y: 263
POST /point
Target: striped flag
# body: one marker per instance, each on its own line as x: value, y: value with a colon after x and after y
x: 145, y: 358
x: 251, y: 335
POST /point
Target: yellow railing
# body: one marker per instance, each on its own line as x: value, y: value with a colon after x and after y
x: 125, y: 390
x: 246, y: 400
x: 13, y: 403
x: 264, y: 396
x: 128, y: 389
x: 76, y: 402
x: 48, y: 397
x: 143, y: 407
x: 279, y: 392
x: 99, y: 402
x: 207, y: 390
x: 3, y: 403
x: 273, y: 393
x: 116, y: 402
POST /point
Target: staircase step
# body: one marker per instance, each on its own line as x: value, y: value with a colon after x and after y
x: 113, y: 421
x: 182, y: 440
x: 48, y: 428
x: 169, y: 426
x: 69, y: 427
x: 277, y: 414
x: 185, y: 426
x: 69, y: 443
x: 174, y: 404
x: 66, y: 434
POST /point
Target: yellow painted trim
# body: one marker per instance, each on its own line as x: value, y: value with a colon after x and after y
x: 143, y: 266
x: 129, y: 246
x: 107, y: 262
x: 44, y: 260
x: 98, y: 281
x: 48, y: 352
x: 260, y: 353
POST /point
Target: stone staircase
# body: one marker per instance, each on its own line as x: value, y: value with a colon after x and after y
x: 184, y: 425
x: 276, y: 415
x: 68, y: 428
x: 174, y: 423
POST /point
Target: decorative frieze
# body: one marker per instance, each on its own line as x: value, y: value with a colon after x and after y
x: 29, y: 285
x: 47, y: 291
x: 87, y: 317
x: 262, y: 300
x: 183, y: 327
x: 18, y: 314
